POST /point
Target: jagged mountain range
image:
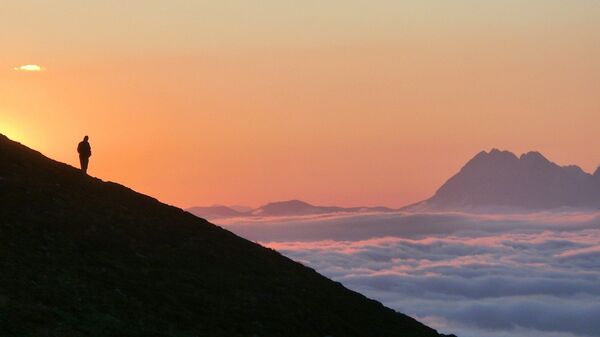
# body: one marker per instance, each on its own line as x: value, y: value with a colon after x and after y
x: 501, y: 180
x: 491, y: 181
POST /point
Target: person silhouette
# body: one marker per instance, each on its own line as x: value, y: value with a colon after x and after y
x: 85, y: 152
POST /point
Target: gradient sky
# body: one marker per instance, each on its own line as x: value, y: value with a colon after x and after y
x: 334, y: 102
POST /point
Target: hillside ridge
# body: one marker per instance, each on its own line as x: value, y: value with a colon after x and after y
x: 83, y: 257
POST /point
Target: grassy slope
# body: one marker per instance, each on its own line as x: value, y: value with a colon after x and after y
x: 82, y: 257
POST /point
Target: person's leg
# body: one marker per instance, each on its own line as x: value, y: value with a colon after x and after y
x: 84, y: 164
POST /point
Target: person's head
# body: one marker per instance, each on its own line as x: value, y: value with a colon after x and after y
x: 85, y: 139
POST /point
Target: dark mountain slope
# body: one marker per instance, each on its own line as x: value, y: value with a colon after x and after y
x: 530, y: 182
x: 81, y: 257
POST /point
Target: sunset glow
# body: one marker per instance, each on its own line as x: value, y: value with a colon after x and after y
x: 343, y: 102
x: 441, y: 158
x: 11, y: 131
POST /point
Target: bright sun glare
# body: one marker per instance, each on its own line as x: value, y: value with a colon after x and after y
x: 11, y: 131
x: 29, y: 67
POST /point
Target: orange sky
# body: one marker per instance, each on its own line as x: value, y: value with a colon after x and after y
x: 345, y: 103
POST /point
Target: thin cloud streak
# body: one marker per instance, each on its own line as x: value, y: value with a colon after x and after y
x: 30, y: 68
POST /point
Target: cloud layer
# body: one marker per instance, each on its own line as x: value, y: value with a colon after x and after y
x: 473, y: 275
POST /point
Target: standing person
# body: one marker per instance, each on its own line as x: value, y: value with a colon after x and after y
x: 85, y: 152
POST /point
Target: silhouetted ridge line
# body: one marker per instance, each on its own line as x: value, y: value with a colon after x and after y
x: 215, y: 212
x: 499, y: 180
x: 82, y: 257
x: 281, y: 208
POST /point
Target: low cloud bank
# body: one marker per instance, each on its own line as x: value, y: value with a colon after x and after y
x: 473, y: 275
x: 408, y: 225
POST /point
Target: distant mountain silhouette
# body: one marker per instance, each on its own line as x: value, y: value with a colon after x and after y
x: 83, y: 257
x: 215, y: 212
x: 500, y: 179
x: 281, y: 208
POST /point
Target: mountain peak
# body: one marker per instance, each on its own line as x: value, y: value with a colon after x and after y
x: 215, y: 212
x: 281, y: 208
x: 534, y: 157
x: 290, y: 203
x: 483, y: 155
x: 501, y: 179
x: 498, y: 152
x: 495, y: 158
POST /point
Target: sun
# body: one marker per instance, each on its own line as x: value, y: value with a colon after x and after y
x: 11, y: 131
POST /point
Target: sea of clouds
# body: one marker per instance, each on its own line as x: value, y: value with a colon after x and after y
x: 483, y: 275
